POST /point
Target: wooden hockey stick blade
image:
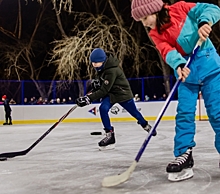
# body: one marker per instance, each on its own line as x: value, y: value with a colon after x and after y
x: 111, y: 181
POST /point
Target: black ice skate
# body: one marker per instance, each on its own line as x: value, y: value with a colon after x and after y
x: 181, y: 168
x: 148, y: 128
x: 108, y: 142
x: 5, y: 123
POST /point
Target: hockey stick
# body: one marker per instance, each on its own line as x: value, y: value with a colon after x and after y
x: 4, y: 156
x: 118, y: 179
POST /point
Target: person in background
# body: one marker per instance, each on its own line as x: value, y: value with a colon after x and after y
x: 45, y: 101
x: 70, y: 101
x: 26, y: 101
x: 32, y: 101
x: 63, y: 101
x: 58, y: 101
x: 40, y: 101
x: 136, y: 98
x: 7, y: 111
x: 146, y: 97
x: 163, y: 97
x: 112, y: 87
x: 52, y: 101
x: 12, y: 101
x: 154, y: 97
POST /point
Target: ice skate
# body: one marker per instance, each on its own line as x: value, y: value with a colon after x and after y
x: 108, y: 142
x: 147, y: 128
x: 181, y: 168
x: 5, y: 123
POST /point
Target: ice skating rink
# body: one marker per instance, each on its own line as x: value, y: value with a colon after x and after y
x: 67, y: 161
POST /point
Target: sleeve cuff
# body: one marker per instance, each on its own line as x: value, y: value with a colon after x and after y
x: 201, y: 24
x: 181, y: 65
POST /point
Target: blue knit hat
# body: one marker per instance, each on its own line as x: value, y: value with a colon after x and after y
x: 98, y: 55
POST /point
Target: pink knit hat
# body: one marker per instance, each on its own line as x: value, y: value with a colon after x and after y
x: 142, y: 8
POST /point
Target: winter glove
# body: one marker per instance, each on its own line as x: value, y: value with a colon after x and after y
x: 95, y: 83
x: 83, y: 101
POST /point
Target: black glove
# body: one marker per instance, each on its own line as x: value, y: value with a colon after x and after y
x: 95, y: 83
x: 83, y: 101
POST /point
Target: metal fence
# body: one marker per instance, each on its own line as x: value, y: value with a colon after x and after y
x: 50, y: 92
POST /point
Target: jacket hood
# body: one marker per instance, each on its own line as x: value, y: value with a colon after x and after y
x: 111, y: 62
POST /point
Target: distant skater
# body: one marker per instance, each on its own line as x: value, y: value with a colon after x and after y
x: 7, y: 110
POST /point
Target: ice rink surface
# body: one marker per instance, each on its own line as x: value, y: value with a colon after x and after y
x: 67, y: 161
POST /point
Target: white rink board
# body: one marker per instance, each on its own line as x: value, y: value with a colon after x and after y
x: 50, y: 113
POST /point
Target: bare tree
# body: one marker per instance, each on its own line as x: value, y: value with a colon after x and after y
x: 72, y: 53
x: 19, y: 56
x: 60, y: 4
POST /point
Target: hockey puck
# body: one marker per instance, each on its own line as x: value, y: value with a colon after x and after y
x: 3, y: 158
x: 96, y: 133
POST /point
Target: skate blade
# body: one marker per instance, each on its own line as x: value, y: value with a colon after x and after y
x: 180, y: 176
x: 109, y: 147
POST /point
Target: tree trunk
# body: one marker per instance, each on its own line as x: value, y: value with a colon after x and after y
x: 19, y: 19
x: 59, y: 23
x: 121, y: 24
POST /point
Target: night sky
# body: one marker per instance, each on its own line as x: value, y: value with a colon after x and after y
x: 48, y: 30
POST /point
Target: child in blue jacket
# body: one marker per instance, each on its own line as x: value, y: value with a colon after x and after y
x: 175, y: 30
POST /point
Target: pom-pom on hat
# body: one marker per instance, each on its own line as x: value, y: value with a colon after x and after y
x: 98, y: 55
x: 143, y: 8
x: 4, y: 96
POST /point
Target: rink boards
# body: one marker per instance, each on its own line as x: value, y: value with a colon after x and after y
x: 30, y: 114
